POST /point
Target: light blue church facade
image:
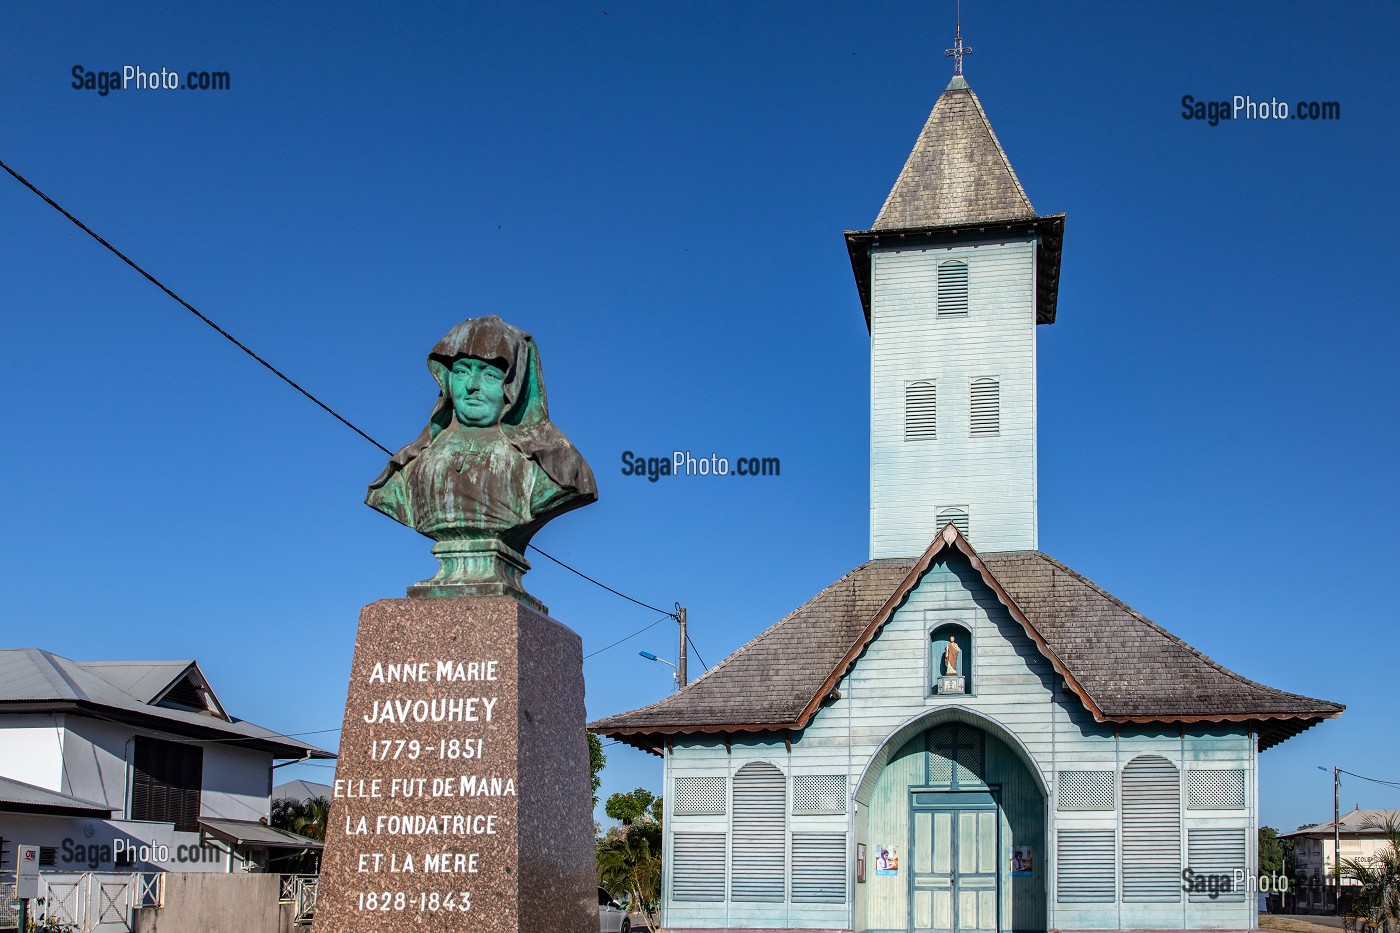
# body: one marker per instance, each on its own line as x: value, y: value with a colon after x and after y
x: 961, y: 734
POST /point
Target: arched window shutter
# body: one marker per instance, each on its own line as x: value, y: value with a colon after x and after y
x: 1151, y: 831
x: 759, y: 851
x: 920, y: 411
x: 956, y: 515
x: 952, y: 287
x: 986, y: 406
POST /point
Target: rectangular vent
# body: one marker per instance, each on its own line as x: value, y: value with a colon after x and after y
x: 1085, y: 790
x: 1215, y: 789
x: 819, y: 793
x: 819, y: 868
x: 1217, y: 852
x: 696, y: 795
x: 920, y: 411
x: 1085, y: 867
x: 955, y: 515
x: 697, y: 869
x: 952, y: 287
x: 986, y: 407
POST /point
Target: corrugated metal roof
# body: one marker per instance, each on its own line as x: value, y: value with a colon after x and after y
x: 1357, y: 822
x: 143, y: 680
x: 256, y: 835
x: 34, y: 679
x: 301, y: 790
x: 17, y: 795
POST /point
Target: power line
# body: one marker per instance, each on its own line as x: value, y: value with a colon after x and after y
x: 273, y: 369
x: 1371, y: 779
x: 692, y: 642
x: 639, y: 631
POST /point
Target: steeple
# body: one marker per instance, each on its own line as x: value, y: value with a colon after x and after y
x: 954, y: 276
x: 958, y: 173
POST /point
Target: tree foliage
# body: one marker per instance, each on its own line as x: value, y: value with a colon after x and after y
x: 1270, y: 851
x: 629, y: 863
x: 630, y: 807
x: 596, y: 760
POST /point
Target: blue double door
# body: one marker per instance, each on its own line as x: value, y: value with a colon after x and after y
x: 954, y: 870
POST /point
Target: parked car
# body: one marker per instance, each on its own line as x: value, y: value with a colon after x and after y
x: 612, y: 916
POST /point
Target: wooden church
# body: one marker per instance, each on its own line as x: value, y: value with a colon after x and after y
x: 962, y: 733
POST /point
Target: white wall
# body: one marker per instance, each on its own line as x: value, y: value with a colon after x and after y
x: 31, y: 750
x: 995, y: 476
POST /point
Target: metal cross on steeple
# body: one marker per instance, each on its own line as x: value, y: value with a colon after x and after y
x: 958, y: 50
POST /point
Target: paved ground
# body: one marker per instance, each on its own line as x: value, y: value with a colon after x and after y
x: 1299, y: 923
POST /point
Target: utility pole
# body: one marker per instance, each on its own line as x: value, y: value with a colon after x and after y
x: 681, y: 655
x: 1336, y: 836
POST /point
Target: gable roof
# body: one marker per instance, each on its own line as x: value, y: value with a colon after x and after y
x: 1122, y: 666
x: 19, y: 797
x: 33, y: 680
x: 143, y: 680
x: 957, y: 173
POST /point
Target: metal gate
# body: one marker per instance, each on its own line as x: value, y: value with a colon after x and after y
x: 97, y: 902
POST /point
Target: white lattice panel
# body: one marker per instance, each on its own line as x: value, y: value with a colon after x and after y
x: 698, y: 795
x: 1085, y: 790
x: 1215, y: 789
x: 819, y: 793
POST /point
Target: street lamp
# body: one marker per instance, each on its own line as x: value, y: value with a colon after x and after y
x: 675, y: 671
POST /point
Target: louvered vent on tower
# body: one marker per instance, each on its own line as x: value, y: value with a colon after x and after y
x: 920, y: 411
x: 955, y: 515
x: 952, y: 287
x: 986, y: 406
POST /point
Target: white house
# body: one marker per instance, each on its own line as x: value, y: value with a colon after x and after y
x: 133, y: 765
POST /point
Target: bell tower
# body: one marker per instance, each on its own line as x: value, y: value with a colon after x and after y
x: 955, y: 275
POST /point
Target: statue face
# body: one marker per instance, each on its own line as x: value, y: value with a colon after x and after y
x: 478, y: 389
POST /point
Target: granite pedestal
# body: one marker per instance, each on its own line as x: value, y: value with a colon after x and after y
x: 462, y: 798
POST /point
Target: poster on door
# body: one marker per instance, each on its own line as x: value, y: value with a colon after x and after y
x: 1022, y: 862
x: 886, y: 859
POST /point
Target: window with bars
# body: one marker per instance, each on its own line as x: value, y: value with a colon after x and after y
x: 985, y: 407
x: 920, y: 411
x: 952, y: 287
x: 1085, y: 869
x: 819, y: 793
x: 697, y: 795
x: 819, y: 868
x: 1085, y: 790
x: 697, y: 870
x: 759, y: 869
x: 1215, y: 789
x: 1151, y: 821
x: 165, y: 783
x: 956, y: 515
x: 1217, y: 852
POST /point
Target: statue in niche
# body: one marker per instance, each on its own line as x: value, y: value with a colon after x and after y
x: 489, y: 469
x: 950, y: 657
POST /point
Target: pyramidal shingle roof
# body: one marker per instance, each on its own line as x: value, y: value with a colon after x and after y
x: 957, y: 173
x: 1123, y: 667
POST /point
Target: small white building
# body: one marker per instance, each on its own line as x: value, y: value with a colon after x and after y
x: 133, y: 766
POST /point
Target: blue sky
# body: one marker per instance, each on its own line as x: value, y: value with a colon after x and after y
x: 658, y: 192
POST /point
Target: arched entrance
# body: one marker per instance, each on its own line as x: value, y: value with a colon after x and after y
x: 952, y: 814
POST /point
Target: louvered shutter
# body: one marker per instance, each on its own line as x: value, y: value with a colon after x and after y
x: 819, y: 868
x: 1151, y: 831
x: 697, y: 866
x: 1218, y: 852
x: 920, y: 411
x: 1084, y: 867
x: 955, y: 515
x: 165, y: 783
x: 952, y: 287
x: 760, y: 831
x: 985, y: 407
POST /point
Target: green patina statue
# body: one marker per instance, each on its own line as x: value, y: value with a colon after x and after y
x: 489, y: 470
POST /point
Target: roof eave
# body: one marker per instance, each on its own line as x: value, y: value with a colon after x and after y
x: 1050, y: 228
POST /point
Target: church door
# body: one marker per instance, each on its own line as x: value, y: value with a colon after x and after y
x: 953, y: 877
